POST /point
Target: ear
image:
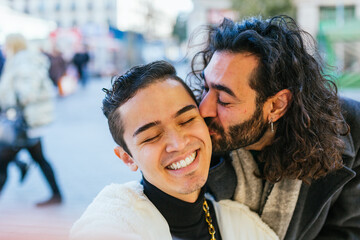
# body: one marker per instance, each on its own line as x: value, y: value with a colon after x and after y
x: 278, y: 105
x: 126, y: 158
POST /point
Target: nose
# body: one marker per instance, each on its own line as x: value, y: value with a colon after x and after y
x: 177, y: 140
x: 207, y: 106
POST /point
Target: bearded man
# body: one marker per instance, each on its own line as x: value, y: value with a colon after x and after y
x: 293, y: 143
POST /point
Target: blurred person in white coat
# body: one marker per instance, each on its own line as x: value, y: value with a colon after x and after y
x: 25, y: 84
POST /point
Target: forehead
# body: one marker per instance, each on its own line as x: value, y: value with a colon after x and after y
x: 231, y: 69
x: 157, y: 102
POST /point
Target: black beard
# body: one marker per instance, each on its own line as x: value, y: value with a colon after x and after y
x: 239, y: 135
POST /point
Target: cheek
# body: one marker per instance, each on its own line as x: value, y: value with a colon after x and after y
x: 233, y: 116
x: 151, y: 155
x: 226, y: 117
x: 202, y: 132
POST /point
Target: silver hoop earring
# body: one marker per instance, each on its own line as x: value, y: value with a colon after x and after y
x: 271, y: 125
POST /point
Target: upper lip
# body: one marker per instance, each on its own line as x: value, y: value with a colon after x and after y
x: 178, y: 158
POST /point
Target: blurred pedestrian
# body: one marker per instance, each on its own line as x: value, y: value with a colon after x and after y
x: 57, y: 65
x: 23, y: 167
x: 25, y: 84
x: 80, y: 60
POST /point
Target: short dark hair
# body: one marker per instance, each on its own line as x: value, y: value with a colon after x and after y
x: 125, y: 86
x: 307, y: 144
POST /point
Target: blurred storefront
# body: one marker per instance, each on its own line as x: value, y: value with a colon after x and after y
x: 335, y: 25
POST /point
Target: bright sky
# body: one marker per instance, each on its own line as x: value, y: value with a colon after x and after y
x: 131, y: 14
x: 174, y: 6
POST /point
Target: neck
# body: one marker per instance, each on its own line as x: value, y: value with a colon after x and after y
x: 173, y: 208
x: 190, y: 198
x: 265, y: 140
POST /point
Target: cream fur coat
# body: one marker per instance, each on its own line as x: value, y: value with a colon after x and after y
x: 124, y: 212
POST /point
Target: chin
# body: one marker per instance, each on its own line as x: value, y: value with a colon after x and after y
x: 193, y: 187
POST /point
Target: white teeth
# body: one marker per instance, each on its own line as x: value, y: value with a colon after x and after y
x: 183, y: 163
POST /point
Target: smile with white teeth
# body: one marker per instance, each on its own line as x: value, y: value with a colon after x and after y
x: 183, y: 163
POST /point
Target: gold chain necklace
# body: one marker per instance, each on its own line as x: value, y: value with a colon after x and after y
x: 209, y: 220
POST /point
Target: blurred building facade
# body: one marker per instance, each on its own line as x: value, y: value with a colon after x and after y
x: 209, y: 11
x: 206, y: 12
x: 69, y: 13
x: 81, y: 24
x: 145, y: 17
x: 31, y: 27
x: 333, y: 23
x: 310, y: 13
x: 335, y: 26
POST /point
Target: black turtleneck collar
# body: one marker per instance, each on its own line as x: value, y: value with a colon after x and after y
x: 186, y: 220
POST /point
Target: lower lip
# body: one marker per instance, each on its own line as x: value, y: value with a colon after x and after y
x: 189, y: 168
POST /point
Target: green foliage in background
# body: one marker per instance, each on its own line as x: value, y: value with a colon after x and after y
x: 264, y: 8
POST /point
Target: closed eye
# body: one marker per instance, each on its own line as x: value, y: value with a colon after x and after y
x: 186, y: 122
x: 151, y: 139
x: 222, y: 103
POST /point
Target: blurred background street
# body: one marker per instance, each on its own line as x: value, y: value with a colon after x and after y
x: 87, y: 42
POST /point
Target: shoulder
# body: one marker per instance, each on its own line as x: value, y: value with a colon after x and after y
x: 236, y: 219
x: 113, y: 198
x: 122, y: 192
x: 111, y: 212
x: 118, y: 210
x: 350, y: 108
x: 351, y: 112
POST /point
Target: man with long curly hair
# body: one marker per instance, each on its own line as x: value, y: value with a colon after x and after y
x: 276, y: 120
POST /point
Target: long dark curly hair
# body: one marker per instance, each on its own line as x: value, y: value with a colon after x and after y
x: 307, y: 143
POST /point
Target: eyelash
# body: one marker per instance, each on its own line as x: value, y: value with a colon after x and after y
x: 222, y: 103
x: 186, y: 122
x: 150, y: 139
x: 155, y: 137
x: 205, y: 89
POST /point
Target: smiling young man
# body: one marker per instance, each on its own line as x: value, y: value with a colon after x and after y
x: 293, y: 143
x: 154, y: 119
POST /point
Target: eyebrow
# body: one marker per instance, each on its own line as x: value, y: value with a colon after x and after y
x: 224, y: 89
x: 145, y: 127
x: 152, y: 124
x: 184, y: 109
x: 219, y: 87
